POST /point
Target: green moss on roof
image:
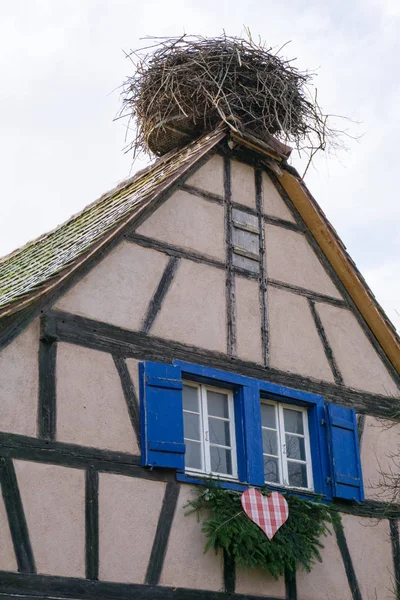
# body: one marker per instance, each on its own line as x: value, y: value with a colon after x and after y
x: 30, y: 268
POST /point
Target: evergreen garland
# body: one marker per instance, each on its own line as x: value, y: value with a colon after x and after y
x: 296, y: 543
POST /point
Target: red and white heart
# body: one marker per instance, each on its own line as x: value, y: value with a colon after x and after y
x: 268, y: 512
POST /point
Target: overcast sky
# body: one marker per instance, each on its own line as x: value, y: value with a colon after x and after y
x: 61, y: 61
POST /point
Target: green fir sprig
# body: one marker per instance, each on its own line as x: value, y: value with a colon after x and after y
x: 296, y: 543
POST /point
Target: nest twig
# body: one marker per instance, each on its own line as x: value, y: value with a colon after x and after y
x: 190, y: 84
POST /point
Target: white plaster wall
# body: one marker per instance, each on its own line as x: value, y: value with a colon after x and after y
x: 129, y: 508
x: 8, y: 561
x: 189, y: 222
x: 359, y: 363
x: 243, y: 184
x: 248, y: 319
x: 194, y: 309
x: 210, y: 177
x: 19, y: 376
x: 91, y: 408
x: 53, y: 498
x: 259, y: 583
x: 380, y: 445
x: 274, y: 206
x: 185, y: 563
x: 119, y: 289
x: 327, y: 579
x: 295, y: 345
x: 370, y: 549
x: 291, y: 259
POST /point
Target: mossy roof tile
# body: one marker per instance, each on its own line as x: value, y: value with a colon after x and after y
x: 30, y: 268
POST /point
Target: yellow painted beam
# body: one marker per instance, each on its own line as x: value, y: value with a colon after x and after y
x: 337, y: 256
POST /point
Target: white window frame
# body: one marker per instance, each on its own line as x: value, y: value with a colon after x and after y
x: 205, y: 443
x: 282, y: 456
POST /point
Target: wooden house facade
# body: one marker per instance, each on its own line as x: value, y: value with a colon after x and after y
x: 187, y: 324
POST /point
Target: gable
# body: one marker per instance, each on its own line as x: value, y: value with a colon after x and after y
x: 174, y: 277
x: 222, y: 285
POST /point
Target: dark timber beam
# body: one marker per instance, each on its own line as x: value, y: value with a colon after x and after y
x: 160, y: 543
x: 202, y: 194
x: 291, y: 585
x: 229, y: 573
x: 46, y: 586
x: 263, y: 288
x: 121, y: 342
x: 394, y: 537
x: 47, y: 386
x: 160, y: 293
x: 16, y: 517
x: 347, y: 562
x: 230, y: 278
x: 130, y: 395
x: 307, y: 293
x: 92, y: 523
x: 172, y: 250
x: 330, y: 357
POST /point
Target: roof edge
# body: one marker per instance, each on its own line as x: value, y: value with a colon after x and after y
x: 348, y: 275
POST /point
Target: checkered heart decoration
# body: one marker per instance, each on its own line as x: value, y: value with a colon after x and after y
x: 268, y: 512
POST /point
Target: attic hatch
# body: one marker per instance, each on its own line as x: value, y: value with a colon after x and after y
x: 187, y: 86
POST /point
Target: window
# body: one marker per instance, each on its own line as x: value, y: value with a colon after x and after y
x: 286, y: 445
x: 209, y: 433
x: 203, y: 421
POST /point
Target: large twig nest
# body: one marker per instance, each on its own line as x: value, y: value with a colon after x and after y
x: 186, y: 86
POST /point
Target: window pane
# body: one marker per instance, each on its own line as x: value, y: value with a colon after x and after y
x: 295, y: 447
x: 268, y: 415
x: 217, y: 404
x: 221, y: 460
x: 297, y: 474
x: 246, y: 240
x: 245, y: 263
x: 270, y: 442
x: 193, y: 455
x: 271, y: 470
x: 190, y: 398
x: 191, y: 426
x: 219, y: 432
x: 293, y: 421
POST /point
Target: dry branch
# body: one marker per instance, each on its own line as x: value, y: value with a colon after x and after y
x: 188, y: 85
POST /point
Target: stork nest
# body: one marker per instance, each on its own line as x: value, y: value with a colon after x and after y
x: 184, y: 87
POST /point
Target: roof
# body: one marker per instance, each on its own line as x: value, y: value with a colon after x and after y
x: 30, y: 272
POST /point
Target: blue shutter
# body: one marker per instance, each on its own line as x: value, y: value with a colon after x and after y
x: 161, y: 416
x: 344, y: 453
x: 249, y: 435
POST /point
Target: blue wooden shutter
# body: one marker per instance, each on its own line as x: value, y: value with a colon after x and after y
x: 249, y: 435
x: 161, y: 416
x: 344, y: 453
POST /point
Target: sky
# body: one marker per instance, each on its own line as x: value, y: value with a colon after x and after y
x: 62, y: 62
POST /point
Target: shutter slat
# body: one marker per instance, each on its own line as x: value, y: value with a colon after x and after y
x: 162, y: 416
x: 166, y: 447
x: 344, y: 453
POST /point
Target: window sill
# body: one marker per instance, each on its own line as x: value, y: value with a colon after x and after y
x: 242, y: 487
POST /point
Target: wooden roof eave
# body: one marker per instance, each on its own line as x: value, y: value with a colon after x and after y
x: 347, y: 273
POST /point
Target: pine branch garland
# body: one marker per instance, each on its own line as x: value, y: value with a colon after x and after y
x: 296, y: 544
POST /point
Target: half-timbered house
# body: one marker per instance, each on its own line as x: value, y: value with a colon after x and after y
x: 185, y: 325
